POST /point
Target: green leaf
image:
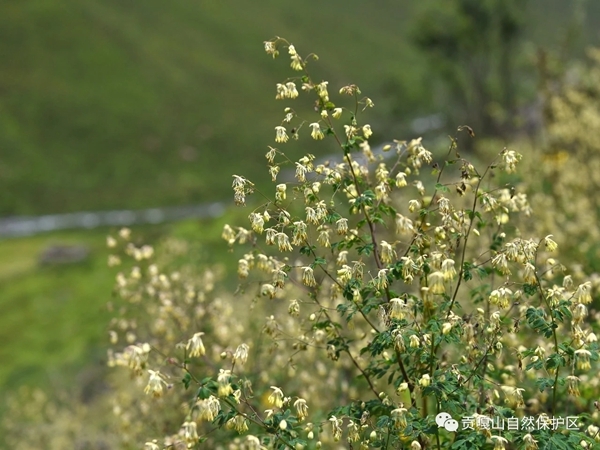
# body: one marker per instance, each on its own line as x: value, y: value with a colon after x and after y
x: 333, y: 217
x: 349, y: 288
x: 377, y: 219
x: 544, y: 383
x: 387, y: 210
x: 554, y: 361
x: 530, y: 289
x: 187, y: 379
x: 467, y: 275
x: 366, y: 249
x: 319, y: 262
x: 440, y: 187
x: 307, y: 250
x: 203, y: 393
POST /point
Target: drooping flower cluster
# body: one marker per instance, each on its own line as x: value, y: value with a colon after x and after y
x: 370, y: 295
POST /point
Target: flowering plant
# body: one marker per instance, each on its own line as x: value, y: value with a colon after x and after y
x: 399, y: 305
x: 388, y: 298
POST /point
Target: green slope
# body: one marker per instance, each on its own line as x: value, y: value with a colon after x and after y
x: 114, y: 104
x: 109, y: 104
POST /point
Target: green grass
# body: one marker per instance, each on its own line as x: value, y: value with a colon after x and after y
x: 52, y: 315
x: 54, y: 319
x: 111, y: 104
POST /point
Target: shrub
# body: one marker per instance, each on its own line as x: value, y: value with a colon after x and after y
x: 387, y: 299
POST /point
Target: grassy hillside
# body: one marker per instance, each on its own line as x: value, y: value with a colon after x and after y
x: 52, y: 316
x: 129, y: 104
x: 113, y: 104
x: 55, y: 318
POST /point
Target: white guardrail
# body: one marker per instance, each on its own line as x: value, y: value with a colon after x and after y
x: 30, y: 225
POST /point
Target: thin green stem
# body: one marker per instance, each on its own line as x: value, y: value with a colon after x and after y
x: 554, y: 333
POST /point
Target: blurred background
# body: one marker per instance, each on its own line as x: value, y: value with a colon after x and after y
x: 142, y: 110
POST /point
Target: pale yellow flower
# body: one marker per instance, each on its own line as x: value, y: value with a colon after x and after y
x: 273, y: 171
x: 344, y: 274
x: 279, y: 277
x: 388, y: 254
x: 241, y: 354
x: 499, y: 442
x: 189, y: 432
x: 239, y: 423
x: 323, y: 238
x: 403, y: 224
x: 413, y: 205
x: 399, y: 416
x: 270, y: 155
x: 350, y: 131
x: 530, y: 442
x: 582, y: 357
x: 308, y: 277
x: 321, y: 90
x: 301, y: 171
x: 281, y: 134
x: 342, y: 226
x: 316, y: 133
x: 448, y: 269
x: 311, y: 216
x: 397, y: 309
x: 224, y: 387
x: 401, y: 179
x: 510, y: 159
x: 301, y: 409
x: 281, y: 91
x: 125, y: 233
x: 195, y: 346
x: 270, y: 48
x: 436, y: 282
x: 336, y: 425
x: 268, y: 290
x: 501, y: 297
x: 280, y: 192
x: 207, y: 409
x: 514, y: 396
x: 276, y: 397
x: 155, y: 384
x: 292, y: 92
x: 414, y: 445
x: 296, y: 63
x: 283, y: 243
x: 294, y: 308
x: 500, y: 262
x: 582, y: 294
x: 299, y: 234
x: 381, y: 281
x: 415, y: 342
x: 573, y: 385
x: 257, y: 221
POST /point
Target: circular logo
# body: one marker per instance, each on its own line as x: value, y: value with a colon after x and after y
x: 445, y: 420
